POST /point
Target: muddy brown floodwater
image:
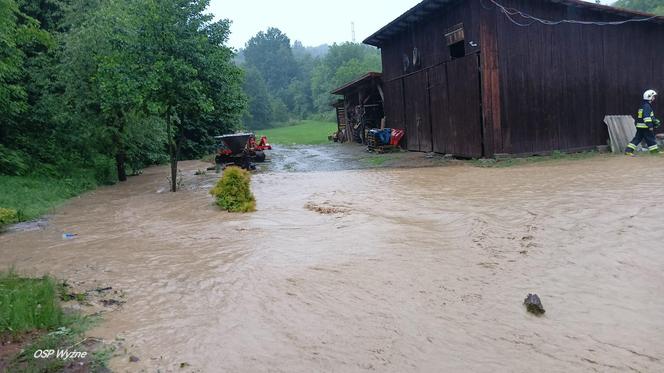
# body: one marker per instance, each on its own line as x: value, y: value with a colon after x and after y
x: 390, y: 270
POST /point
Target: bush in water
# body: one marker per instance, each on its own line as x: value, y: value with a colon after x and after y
x: 8, y: 216
x: 233, y: 191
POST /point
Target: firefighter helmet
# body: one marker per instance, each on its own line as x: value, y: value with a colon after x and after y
x: 649, y: 95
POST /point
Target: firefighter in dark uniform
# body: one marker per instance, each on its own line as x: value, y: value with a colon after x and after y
x: 645, y: 125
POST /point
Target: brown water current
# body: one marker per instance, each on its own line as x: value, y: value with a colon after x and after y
x: 390, y: 270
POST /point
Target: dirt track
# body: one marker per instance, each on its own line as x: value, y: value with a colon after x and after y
x: 388, y: 270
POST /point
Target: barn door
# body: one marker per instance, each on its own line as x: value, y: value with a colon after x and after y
x: 463, y: 135
x: 439, y: 109
x: 417, y: 120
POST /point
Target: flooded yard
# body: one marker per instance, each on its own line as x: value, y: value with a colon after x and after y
x: 348, y: 268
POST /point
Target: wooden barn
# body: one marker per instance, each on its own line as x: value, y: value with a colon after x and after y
x: 483, y: 77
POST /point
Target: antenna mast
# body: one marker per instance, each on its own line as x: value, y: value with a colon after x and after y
x: 352, y: 30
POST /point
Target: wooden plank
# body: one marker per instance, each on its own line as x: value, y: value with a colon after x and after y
x: 491, y: 126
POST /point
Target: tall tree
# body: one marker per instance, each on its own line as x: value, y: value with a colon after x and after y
x: 189, y: 70
x: 103, y: 75
x: 270, y: 53
x: 342, y: 63
x: 259, y: 113
x: 20, y: 39
x: 648, y: 6
x: 12, y: 93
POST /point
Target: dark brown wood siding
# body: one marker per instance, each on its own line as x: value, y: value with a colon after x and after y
x: 463, y: 92
x: 441, y: 131
x: 558, y: 82
x: 428, y: 36
x: 490, y: 76
x: 394, y: 104
x: 542, y: 88
x: 455, y: 107
x: 423, y: 109
x: 418, y: 124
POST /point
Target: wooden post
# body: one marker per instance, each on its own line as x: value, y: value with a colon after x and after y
x: 490, y: 84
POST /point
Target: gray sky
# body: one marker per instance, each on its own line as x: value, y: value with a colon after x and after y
x: 313, y: 22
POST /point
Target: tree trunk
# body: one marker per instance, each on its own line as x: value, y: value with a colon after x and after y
x: 173, y: 155
x: 120, y: 155
x: 177, y: 146
x: 174, y: 173
x: 120, y: 163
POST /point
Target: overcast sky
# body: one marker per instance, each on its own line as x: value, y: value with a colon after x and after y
x: 313, y: 22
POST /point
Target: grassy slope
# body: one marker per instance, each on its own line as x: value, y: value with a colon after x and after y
x: 33, y: 196
x: 307, y: 132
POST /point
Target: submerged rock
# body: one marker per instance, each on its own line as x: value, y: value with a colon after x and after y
x: 534, y: 304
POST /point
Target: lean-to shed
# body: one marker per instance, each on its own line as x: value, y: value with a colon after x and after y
x: 482, y: 77
x: 361, y: 107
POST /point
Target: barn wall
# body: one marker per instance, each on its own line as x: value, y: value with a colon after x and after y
x: 394, y: 104
x: 427, y: 35
x: 407, y: 92
x: 558, y: 82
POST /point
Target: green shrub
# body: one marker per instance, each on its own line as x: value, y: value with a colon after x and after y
x: 233, y: 192
x: 12, y: 162
x: 105, y: 170
x: 8, y: 216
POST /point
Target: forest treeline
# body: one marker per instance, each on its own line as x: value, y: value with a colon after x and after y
x: 286, y: 81
x: 93, y: 88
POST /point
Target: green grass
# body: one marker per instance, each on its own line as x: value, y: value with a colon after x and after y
x: 28, y: 304
x: 33, y: 196
x: 33, y: 305
x: 306, y: 132
x: 377, y: 160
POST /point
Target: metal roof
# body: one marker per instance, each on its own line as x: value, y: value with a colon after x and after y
x: 426, y: 7
x: 357, y: 82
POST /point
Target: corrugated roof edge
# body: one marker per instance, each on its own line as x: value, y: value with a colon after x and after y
x: 367, y: 76
x: 426, y: 6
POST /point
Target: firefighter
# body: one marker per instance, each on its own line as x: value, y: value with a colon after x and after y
x: 645, y: 125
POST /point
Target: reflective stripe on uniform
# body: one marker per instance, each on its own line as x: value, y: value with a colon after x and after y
x: 641, y: 125
x: 647, y: 120
x: 631, y: 146
x: 654, y: 147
